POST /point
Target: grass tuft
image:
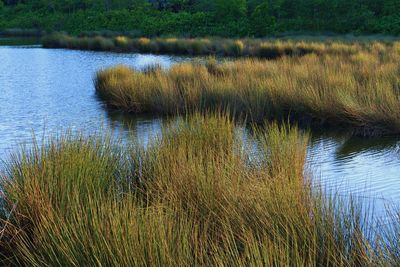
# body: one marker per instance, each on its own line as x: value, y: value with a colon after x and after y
x: 193, y: 196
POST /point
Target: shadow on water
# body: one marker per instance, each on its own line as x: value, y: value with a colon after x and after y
x: 358, y: 145
x: 348, y: 146
x: 129, y: 122
x: 140, y: 129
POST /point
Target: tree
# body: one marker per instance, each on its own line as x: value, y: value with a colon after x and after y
x: 230, y: 9
x: 391, y: 7
x: 262, y: 22
x: 178, y: 5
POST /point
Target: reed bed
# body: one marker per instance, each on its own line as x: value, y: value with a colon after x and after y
x: 259, y: 48
x: 192, y: 197
x: 360, y: 92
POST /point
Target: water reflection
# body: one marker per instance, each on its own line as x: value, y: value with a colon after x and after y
x: 140, y: 128
x: 354, y: 146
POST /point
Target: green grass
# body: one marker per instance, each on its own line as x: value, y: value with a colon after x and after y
x: 358, y: 89
x: 193, y: 196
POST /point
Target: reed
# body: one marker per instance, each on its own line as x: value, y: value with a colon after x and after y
x: 359, y: 91
x: 193, y: 196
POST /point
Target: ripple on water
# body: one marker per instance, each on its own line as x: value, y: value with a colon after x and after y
x: 363, y: 167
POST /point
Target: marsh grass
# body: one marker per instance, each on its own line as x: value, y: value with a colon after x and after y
x: 122, y: 42
x: 193, y: 196
x: 357, y: 90
x: 257, y: 48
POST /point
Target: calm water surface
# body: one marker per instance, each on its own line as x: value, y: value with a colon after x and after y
x: 45, y: 90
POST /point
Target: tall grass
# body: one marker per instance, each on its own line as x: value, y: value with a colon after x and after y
x: 259, y: 48
x: 193, y: 196
x: 359, y: 91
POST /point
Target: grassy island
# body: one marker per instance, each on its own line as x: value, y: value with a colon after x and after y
x: 358, y: 90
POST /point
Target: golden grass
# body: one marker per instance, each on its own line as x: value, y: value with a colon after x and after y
x: 193, y: 196
x: 258, y: 48
x: 360, y: 91
x: 121, y: 41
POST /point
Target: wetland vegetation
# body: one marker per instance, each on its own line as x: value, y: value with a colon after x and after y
x: 352, y: 85
x: 221, y: 173
x: 214, y: 46
x: 197, y: 194
x: 192, y: 196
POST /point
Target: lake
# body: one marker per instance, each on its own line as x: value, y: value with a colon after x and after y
x: 43, y: 91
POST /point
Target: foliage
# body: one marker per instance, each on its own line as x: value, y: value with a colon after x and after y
x: 204, y: 17
x: 263, y: 23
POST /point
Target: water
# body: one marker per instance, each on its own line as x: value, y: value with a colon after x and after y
x: 45, y: 90
x: 366, y: 168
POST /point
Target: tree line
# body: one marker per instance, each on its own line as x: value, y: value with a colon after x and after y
x: 205, y: 17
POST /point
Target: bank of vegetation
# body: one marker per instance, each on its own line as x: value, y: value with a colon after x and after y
x: 352, y: 86
x: 193, y: 196
x: 261, y: 48
x: 195, y: 18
